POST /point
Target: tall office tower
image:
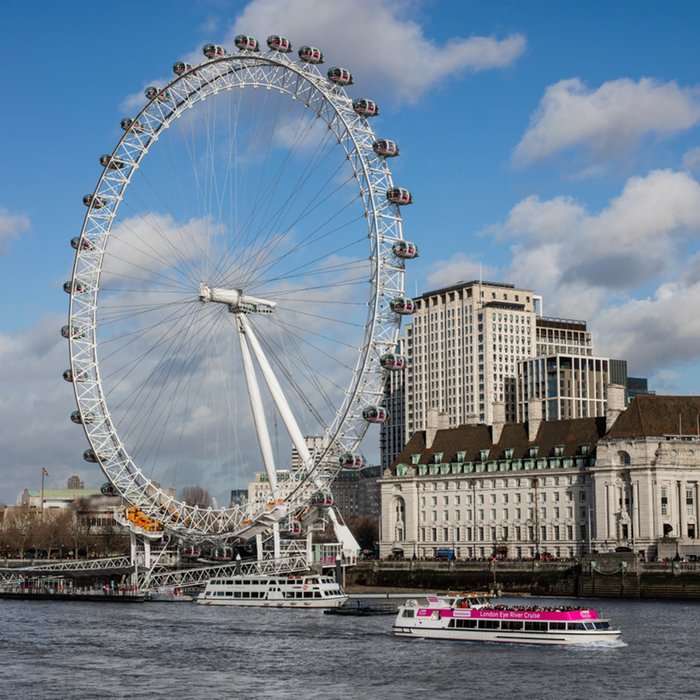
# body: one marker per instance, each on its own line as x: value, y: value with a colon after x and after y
x: 462, y: 349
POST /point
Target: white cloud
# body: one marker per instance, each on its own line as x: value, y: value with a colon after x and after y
x: 11, y: 225
x: 691, y: 160
x: 632, y: 270
x: 385, y: 50
x: 460, y: 267
x: 608, y: 120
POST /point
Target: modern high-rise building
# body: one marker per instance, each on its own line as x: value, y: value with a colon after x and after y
x: 569, y: 386
x: 462, y: 349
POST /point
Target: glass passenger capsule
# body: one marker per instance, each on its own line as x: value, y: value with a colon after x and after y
x: 69, y: 377
x: 322, y: 500
x: 375, y: 414
x: 352, y: 460
x: 279, y: 43
x: 340, y: 76
x: 107, y: 489
x: 74, y: 287
x: 294, y: 528
x: 81, y: 244
x: 385, y: 148
x: 310, y: 54
x: 191, y: 551
x: 76, y: 332
x: 181, y: 67
x: 214, y: 51
x: 81, y: 420
x: 111, y: 163
x: 405, y: 249
x: 223, y: 553
x: 90, y: 456
x: 404, y: 306
x: 392, y: 361
x: 129, y: 124
x: 399, y: 195
x: 365, y: 107
x: 152, y: 93
x: 246, y: 43
x: 93, y: 201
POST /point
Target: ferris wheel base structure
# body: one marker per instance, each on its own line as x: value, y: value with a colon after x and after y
x: 290, y: 291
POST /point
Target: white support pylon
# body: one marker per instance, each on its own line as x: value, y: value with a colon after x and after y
x: 256, y: 405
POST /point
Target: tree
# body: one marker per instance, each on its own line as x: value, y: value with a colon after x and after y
x: 196, y: 496
x: 366, y: 531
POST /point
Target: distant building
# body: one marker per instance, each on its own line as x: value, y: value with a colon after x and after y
x: 636, y: 386
x: 75, y: 483
x: 356, y: 492
x: 568, y: 386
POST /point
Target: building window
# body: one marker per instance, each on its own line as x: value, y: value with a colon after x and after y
x: 664, y: 500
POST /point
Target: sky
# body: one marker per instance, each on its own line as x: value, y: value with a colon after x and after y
x: 549, y: 144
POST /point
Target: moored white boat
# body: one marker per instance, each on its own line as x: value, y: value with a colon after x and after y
x: 472, y: 618
x: 311, y: 591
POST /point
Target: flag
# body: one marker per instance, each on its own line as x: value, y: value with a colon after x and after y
x: 44, y: 472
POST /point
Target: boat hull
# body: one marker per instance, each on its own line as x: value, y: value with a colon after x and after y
x: 298, y: 604
x: 501, y: 636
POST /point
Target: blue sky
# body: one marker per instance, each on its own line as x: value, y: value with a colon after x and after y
x: 552, y: 144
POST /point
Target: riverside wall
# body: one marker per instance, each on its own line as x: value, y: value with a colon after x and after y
x: 595, y: 576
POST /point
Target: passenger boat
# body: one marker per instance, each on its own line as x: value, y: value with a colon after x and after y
x: 471, y: 617
x: 310, y: 591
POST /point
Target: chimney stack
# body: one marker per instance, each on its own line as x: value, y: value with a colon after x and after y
x: 534, y: 418
x: 499, y: 420
x: 437, y: 420
x: 615, y: 404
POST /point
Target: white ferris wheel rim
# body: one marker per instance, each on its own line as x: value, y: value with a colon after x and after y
x: 355, y: 137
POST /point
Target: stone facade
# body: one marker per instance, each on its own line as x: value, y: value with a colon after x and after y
x: 550, y: 488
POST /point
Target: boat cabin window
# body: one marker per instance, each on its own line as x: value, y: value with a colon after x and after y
x: 602, y: 625
x: 488, y: 624
x: 577, y: 626
x: 516, y: 625
x: 535, y: 626
x: 411, y: 613
x: 557, y: 625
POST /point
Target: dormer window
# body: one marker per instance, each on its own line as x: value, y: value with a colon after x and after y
x: 484, y: 455
x: 461, y: 456
x: 558, y: 450
x: 415, y: 458
x: 585, y: 448
x: 508, y: 453
x: 437, y: 457
x: 532, y: 451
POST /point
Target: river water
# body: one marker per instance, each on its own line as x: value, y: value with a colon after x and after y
x: 87, y: 650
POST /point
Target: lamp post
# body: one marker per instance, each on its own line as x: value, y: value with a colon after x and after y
x: 44, y: 473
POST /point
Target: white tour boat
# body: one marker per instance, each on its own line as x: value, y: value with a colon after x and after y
x: 471, y: 617
x: 311, y: 591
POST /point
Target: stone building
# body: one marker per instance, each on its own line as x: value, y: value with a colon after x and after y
x: 550, y: 488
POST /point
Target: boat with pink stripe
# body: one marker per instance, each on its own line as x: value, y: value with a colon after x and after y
x: 472, y: 617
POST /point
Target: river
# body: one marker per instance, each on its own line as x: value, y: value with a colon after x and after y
x: 181, y: 651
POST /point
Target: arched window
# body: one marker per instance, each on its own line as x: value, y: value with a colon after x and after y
x: 623, y: 457
x: 399, y: 519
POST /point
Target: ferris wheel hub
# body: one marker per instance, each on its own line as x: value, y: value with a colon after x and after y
x: 236, y: 301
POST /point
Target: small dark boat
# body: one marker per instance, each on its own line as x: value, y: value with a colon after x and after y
x: 360, y: 609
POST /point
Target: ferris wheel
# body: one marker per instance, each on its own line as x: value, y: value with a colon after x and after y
x: 237, y: 292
